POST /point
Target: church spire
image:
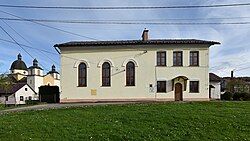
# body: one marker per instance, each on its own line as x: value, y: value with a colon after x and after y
x: 35, y: 63
x: 19, y: 56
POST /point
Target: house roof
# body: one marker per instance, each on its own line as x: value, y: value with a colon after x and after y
x: 246, y: 79
x: 214, y: 78
x: 135, y: 42
x: 12, y: 89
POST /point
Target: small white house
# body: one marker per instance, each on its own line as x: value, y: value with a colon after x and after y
x: 214, y: 86
x: 17, y: 94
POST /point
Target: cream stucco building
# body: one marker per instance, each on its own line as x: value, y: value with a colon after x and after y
x: 134, y: 70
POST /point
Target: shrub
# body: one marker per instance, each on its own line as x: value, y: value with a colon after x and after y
x: 227, y: 96
x: 239, y: 96
x: 31, y: 102
x: 246, y: 97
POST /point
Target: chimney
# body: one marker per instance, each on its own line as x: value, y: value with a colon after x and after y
x: 145, y: 35
x: 232, y: 74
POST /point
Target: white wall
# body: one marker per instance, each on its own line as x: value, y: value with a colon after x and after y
x: 35, y: 82
x: 146, y: 73
x: 25, y: 94
x: 24, y: 72
x: 215, y: 92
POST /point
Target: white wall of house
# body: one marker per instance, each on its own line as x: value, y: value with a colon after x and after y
x: 11, y: 99
x: 215, y: 92
x: 146, y: 72
x: 26, y: 92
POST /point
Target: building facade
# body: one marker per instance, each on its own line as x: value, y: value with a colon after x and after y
x: 17, y: 94
x: 214, y: 86
x: 135, y: 70
x: 34, y: 75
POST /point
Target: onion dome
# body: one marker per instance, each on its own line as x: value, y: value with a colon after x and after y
x: 53, y: 70
x: 18, y: 64
x: 35, y: 65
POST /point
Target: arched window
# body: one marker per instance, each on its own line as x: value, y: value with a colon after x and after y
x: 130, y: 74
x: 106, y: 74
x: 82, y: 75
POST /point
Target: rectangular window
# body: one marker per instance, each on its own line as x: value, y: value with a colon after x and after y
x: 194, y: 87
x: 161, y: 87
x: 161, y: 58
x: 6, y: 98
x: 30, y: 98
x: 194, y: 58
x: 177, y: 58
x: 21, y: 98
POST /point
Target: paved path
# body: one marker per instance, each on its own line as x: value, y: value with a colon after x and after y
x: 58, y: 106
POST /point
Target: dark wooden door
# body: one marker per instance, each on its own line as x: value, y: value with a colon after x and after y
x: 178, y: 92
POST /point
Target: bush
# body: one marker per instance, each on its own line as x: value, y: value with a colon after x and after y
x: 247, y: 97
x: 241, y: 96
x: 227, y: 96
x: 32, y: 102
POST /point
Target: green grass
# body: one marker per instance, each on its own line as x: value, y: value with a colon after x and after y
x: 2, y: 106
x: 160, y: 121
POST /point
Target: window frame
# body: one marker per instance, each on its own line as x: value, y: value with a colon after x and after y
x: 191, y: 58
x: 84, y: 77
x: 21, y: 98
x: 177, y: 60
x: 159, y: 56
x: 106, y: 79
x: 164, y: 89
x: 130, y: 74
x: 192, y: 88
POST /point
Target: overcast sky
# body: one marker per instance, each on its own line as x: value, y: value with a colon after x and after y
x: 233, y: 53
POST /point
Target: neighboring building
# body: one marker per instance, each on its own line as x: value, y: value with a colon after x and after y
x: 134, y: 70
x: 235, y: 84
x: 17, y: 94
x: 214, y: 86
x: 33, y: 76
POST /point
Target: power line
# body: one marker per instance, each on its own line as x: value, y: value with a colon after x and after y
x: 16, y: 42
x: 65, y: 31
x: 125, y: 7
x: 29, y: 42
x: 20, y: 45
x: 91, y: 20
x: 128, y: 23
x: 28, y: 46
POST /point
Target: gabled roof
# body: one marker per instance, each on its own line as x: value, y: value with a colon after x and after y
x: 135, y: 42
x: 12, y: 89
x: 214, y: 78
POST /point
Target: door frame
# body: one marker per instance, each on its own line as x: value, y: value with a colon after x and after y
x: 181, y: 92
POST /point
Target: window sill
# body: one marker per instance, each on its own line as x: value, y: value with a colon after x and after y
x: 81, y: 86
x: 161, y: 66
x: 129, y: 85
x: 178, y: 66
x: 194, y: 92
x: 161, y: 92
x: 106, y: 86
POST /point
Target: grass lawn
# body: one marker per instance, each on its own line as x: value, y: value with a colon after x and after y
x: 158, y: 121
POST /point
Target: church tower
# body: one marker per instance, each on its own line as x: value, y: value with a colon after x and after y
x: 18, y: 68
x: 35, y: 76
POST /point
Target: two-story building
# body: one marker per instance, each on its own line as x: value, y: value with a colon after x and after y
x: 135, y: 70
